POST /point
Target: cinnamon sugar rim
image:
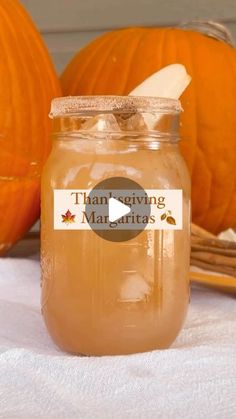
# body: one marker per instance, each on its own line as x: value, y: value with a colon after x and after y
x: 74, y: 105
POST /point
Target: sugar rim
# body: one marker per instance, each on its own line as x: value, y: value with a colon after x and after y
x: 74, y: 105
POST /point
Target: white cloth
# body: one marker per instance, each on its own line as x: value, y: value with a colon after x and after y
x: 194, y: 379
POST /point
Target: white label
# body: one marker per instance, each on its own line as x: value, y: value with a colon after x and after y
x: 153, y: 209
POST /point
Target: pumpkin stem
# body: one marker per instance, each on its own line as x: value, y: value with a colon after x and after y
x: 210, y: 28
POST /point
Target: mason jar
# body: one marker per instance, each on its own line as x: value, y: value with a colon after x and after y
x: 103, y: 293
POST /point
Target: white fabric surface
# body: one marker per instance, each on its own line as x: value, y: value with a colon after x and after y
x: 196, y: 378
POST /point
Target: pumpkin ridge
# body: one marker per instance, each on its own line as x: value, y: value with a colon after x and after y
x: 109, y: 52
x: 27, y: 92
x: 36, y: 119
x: 87, y: 64
x: 194, y: 163
x: 13, y: 85
x: 198, y: 132
x: 3, y: 219
x: 221, y: 221
x: 163, y: 47
x: 25, y: 69
x: 191, y: 141
x: 139, y: 39
x: 194, y: 88
x: 73, y: 65
x: 227, y: 207
x: 107, y: 55
x: 204, y: 214
x: 51, y: 82
x: 223, y: 207
x: 106, y: 42
x: 45, y: 59
x: 4, y: 118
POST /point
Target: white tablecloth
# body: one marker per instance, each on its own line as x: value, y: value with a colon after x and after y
x: 196, y: 378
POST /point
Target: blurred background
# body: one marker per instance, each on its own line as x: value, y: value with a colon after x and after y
x: 67, y: 26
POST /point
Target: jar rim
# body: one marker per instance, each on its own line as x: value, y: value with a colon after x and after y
x: 73, y: 105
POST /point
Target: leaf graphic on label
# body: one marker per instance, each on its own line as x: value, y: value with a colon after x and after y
x: 171, y: 220
x: 163, y: 216
x: 68, y: 218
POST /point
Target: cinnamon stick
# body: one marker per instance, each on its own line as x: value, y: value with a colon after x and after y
x: 201, y: 232
x: 221, y: 244
x: 215, y: 259
x: 215, y: 250
x: 209, y: 267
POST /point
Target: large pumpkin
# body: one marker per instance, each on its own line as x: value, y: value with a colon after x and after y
x: 27, y: 84
x: 118, y: 61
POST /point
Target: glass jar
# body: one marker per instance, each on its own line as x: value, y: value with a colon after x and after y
x: 101, y: 297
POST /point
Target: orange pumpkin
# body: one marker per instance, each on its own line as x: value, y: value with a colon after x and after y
x: 118, y: 61
x: 28, y: 83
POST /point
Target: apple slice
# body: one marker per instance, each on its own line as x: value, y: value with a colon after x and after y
x: 169, y: 82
